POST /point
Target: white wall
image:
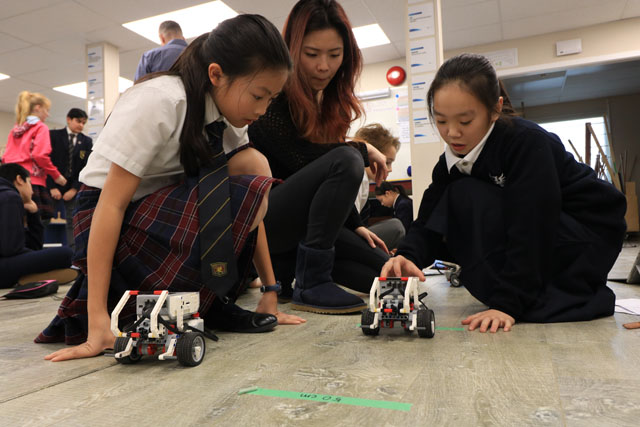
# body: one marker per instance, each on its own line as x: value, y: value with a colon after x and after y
x: 383, y: 111
x: 610, y: 42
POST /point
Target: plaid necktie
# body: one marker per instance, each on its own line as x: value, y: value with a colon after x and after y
x: 70, y: 164
x: 218, y: 263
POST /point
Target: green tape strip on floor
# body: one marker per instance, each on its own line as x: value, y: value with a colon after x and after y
x: 328, y: 398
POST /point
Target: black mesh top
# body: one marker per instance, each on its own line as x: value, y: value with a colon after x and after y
x: 275, y: 135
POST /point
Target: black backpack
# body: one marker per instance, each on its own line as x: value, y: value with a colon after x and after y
x: 33, y: 290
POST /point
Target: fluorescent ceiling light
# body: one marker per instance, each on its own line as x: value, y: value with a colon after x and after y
x: 194, y: 20
x: 74, y: 89
x: 370, y: 35
x: 80, y: 89
x: 3, y: 76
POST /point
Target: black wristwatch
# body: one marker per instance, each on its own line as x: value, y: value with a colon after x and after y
x: 277, y: 287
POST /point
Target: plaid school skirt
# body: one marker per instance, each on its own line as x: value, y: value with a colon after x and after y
x: 42, y: 198
x: 158, y: 249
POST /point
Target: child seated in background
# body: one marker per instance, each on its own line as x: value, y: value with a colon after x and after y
x: 21, y: 253
x: 395, y: 197
x: 391, y: 231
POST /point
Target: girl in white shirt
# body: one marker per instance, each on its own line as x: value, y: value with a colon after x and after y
x: 137, y: 224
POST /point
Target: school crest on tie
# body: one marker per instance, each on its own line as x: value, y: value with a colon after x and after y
x: 219, y: 269
x: 499, y: 179
x: 82, y: 154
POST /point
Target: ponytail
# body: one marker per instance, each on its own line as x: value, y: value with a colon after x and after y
x: 26, y: 101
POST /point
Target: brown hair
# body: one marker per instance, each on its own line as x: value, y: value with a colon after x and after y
x: 378, y: 136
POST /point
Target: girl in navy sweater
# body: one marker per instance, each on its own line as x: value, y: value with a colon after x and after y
x: 535, y: 231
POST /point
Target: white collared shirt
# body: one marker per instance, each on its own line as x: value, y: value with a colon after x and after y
x: 465, y: 164
x: 142, y: 135
x: 75, y: 136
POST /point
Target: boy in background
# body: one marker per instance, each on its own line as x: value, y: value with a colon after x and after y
x: 70, y: 149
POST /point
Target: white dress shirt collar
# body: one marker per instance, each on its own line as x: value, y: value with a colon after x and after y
x: 465, y: 164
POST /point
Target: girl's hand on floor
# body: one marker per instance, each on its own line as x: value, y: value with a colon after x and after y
x: 491, y: 320
x: 288, y: 319
x: 100, y: 338
x: 268, y: 304
x: 399, y: 266
x: 372, y: 238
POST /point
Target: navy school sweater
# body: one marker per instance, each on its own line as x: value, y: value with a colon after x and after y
x: 15, y: 238
x: 540, y: 180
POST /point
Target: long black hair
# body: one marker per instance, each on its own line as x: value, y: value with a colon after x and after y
x: 244, y: 45
x: 387, y: 186
x: 476, y: 74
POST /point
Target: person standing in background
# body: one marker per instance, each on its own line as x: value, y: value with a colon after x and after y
x: 163, y: 57
x: 29, y: 146
x: 70, y: 149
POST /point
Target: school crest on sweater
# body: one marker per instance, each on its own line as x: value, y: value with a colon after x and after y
x: 498, y: 179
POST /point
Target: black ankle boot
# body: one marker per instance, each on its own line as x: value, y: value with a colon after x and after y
x: 315, y: 290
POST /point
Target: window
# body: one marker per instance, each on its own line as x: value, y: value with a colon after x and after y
x: 574, y: 131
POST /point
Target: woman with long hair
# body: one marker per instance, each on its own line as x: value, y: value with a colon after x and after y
x: 315, y: 233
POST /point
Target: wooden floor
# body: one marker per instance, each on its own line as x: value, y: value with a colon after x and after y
x: 572, y: 374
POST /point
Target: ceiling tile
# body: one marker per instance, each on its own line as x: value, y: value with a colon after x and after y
x: 120, y: 37
x: 631, y: 9
x: 71, y: 47
x: 121, y: 11
x: 8, y: 43
x: 559, y: 21
x: 62, y: 75
x: 452, y: 4
x: 380, y: 53
x: 13, y: 8
x: 468, y: 17
x: 471, y: 36
x: 61, y: 20
x: 358, y: 13
x: 10, y: 88
x: 517, y: 9
x: 28, y: 60
x: 264, y: 8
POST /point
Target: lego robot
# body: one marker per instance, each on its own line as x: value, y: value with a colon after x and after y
x: 166, y: 323
x: 394, y: 300
x: 451, y: 271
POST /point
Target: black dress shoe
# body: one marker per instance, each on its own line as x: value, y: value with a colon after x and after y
x: 235, y: 319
